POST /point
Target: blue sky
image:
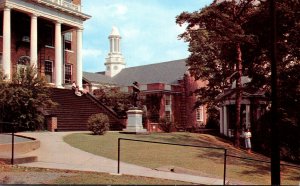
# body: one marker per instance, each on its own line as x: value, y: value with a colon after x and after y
x: 147, y: 27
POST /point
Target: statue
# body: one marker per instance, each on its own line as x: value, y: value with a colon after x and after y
x: 135, y: 93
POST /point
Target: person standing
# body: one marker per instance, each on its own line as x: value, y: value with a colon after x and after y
x: 247, y: 136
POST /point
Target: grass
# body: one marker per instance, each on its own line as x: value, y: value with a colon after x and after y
x: 206, y: 162
x: 78, y: 177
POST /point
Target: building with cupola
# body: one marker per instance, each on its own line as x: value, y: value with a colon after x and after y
x: 167, y: 88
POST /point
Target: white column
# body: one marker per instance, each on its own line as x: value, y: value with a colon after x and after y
x: 6, y: 43
x: 33, y: 41
x: 221, y: 121
x: 79, y: 58
x: 118, y: 45
x: 58, y: 56
x: 113, y: 45
x: 248, y: 125
x: 111, y: 48
x: 225, y: 121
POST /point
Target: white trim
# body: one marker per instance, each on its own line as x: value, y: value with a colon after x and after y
x: 200, y: 113
x: 70, y: 51
x: 48, y: 46
x: 58, y: 14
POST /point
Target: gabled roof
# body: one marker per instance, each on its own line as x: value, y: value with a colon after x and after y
x: 166, y: 72
x: 97, y: 78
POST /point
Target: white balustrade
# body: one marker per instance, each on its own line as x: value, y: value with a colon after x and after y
x: 66, y: 4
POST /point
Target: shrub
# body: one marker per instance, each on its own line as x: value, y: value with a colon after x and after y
x: 24, y: 100
x: 98, y: 123
x: 165, y: 125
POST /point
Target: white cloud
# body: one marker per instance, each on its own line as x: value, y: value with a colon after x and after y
x: 148, y: 30
x: 91, y: 52
x: 119, y: 9
x: 130, y: 32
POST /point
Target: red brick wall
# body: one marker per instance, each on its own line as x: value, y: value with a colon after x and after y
x: 19, y: 49
x: 70, y: 56
x: 155, y: 86
x: 189, y: 86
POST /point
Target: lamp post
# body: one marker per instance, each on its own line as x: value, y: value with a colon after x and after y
x: 275, y: 151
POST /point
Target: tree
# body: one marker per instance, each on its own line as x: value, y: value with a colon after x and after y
x: 213, y: 58
x: 24, y: 99
x: 114, y: 99
x: 216, y: 37
x: 288, y: 96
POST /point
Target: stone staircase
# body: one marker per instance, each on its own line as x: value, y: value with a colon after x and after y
x: 73, y: 111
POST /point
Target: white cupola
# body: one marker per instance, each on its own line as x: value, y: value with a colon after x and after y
x: 115, y: 61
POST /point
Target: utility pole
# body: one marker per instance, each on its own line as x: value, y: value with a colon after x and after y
x: 275, y: 150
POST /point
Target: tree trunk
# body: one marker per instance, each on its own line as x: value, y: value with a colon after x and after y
x: 238, y: 98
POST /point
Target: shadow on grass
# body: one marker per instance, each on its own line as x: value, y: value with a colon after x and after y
x: 175, y: 138
x: 289, y: 173
x: 256, y: 169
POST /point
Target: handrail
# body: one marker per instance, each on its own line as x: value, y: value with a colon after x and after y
x: 263, y: 161
x: 106, y: 107
x: 165, y: 143
x: 12, y: 140
x: 218, y: 148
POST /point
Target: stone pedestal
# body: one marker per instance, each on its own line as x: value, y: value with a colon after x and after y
x: 134, y: 122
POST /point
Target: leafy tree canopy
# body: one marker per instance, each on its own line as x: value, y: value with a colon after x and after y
x: 23, y: 100
x: 214, y: 31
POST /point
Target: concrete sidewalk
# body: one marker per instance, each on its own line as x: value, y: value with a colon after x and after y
x: 55, y: 153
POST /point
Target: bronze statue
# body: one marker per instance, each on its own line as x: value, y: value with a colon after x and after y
x: 135, y: 93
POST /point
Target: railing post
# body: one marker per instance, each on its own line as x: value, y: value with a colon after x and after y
x: 119, y: 143
x: 12, y: 144
x: 225, y: 156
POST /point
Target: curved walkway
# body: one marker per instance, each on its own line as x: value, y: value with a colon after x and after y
x: 55, y: 153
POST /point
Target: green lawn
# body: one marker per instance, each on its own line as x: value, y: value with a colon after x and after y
x: 206, y: 162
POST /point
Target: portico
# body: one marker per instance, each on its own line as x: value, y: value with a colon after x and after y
x: 62, y: 18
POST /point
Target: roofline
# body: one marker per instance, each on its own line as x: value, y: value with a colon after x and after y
x: 156, y: 63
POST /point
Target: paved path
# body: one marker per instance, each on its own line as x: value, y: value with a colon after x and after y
x: 55, y: 153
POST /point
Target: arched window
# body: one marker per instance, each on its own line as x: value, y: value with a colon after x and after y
x: 23, y: 62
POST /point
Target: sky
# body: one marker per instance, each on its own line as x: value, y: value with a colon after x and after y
x: 147, y: 27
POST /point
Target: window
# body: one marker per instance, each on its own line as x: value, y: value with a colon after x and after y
x: 68, y: 41
x: 49, y: 35
x: 68, y: 36
x: 199, y: 113
x: 168, y: 99
x: 49, y: 71
x: 23, y: 62
x: 68, y: 73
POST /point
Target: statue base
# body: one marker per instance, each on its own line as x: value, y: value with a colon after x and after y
x: 134, y: 122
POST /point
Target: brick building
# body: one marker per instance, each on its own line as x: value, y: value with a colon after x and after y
x: 46, y: 34
x: 167, y: 87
